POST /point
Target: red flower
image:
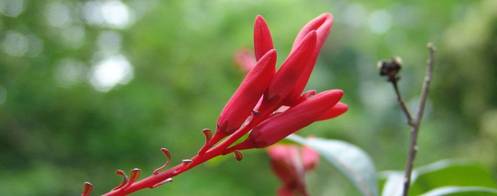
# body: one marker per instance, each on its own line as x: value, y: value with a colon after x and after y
x: 321, y: 25
x: 271, y: 122
x: 279, y: 126
x: 290, y: 163
x: 262, y: 38
x: 262, y: 44
x: 267, y: 106
x: 248, y: 93
x: 292, y: 69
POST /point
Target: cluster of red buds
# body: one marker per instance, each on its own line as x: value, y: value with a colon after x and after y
x: 290, y: 163
x: 268, y: 105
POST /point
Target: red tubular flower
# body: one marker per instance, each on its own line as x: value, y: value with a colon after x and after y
x: 335, y: 111
x: 281, y: 125
x: 262, y: 38
x: 288, y: 75
x: 290, y: 163
x: 255, y: 83
x: 280, y: 110
x: 248, y: 94
x: 322, y: 26
x: 263, y: 42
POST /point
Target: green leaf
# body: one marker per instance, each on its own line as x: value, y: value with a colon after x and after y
x: 439, y: 174
x: 350, y: 160
x: 451, y: 173
x: 461, y: 190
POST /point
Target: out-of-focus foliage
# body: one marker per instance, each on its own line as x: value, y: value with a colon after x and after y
x: 466, y: 176
x: 87, y: 87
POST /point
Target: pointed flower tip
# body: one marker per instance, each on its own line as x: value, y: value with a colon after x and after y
x: 328, y: 18
x: 263, y: 41
x: 337, y: 110
x: 87, y: 189
x: 259, y: 18
x: 268, y: 59
x: 322, y: 19
x: 271, y: 53
x: 339, y: 93
x: 327, y: 15
x: 322, y: 24
x: 342, y: 107
x: 334, y: 94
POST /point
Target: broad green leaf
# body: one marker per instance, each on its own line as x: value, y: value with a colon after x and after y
x: 462, y: 190
x: 353, y: 162
x: 439, y: 174
x: 451, y: 173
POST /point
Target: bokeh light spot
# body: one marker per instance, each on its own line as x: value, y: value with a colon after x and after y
x: 11, y: 8
x: 380, y: 21
x: 110, y: 72
x: 15, y: 44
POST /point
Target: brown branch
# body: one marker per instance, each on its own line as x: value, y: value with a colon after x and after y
x: 402, y: 104
x: 413, y: 146
x: 391, y: 69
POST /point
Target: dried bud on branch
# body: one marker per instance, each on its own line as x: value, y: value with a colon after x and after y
x: 390, y: 68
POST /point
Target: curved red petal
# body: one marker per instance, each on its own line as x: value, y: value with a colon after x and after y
x: 322, y: 26
x: 279, y: 126
x: 335, y: 111
x: 287, y: 76
x: 248, y: 94
x: 262, y: 38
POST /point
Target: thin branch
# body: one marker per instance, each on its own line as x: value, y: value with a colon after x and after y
x: 426, y: 85
x: 413, y: 146
x: 402, y: 104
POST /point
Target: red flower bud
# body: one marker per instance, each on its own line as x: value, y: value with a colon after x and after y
x: 310, y: 158
x: 290, y: 163
x: 262, y: 38
x: 248, y: 94
x: 262, y: 44
x: 286, y: 162
x: 281, y: 125
x: 288, y: 75
x: 335, y: 111
x: 321, y: 25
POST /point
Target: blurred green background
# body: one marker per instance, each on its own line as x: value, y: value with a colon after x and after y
x: 87, y: 87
